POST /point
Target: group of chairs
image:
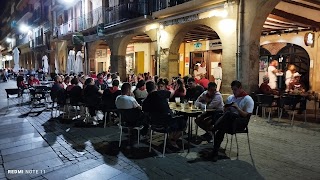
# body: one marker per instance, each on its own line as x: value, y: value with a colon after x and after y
x: 282, y: 103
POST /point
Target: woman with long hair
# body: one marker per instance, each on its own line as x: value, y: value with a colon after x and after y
x: 289, y: 75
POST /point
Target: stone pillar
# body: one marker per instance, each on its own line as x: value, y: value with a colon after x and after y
x: 163, y: 63
x: 118, y: 64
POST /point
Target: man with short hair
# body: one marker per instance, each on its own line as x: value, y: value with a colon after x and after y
x: 100, y: 83
x: 237, y: 112
x: 157, y: 107
x: 125, y: 101
x: 194, y: 90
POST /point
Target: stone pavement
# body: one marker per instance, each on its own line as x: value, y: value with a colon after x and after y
x: 37, y: 147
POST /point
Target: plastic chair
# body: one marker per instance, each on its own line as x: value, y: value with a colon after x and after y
x: 239, y: 131
x: 290, y: 102
x: 159, y: 123
x: 13, y: 94
x: 129, y: 119
x: 265, y: 101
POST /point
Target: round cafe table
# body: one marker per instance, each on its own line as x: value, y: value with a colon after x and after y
x: 190, y: 113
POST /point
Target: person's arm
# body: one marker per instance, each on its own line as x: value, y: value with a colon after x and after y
x: 135, y: 103
x: 216, y: 103
x: 248, y: 108
x: 200, y: 101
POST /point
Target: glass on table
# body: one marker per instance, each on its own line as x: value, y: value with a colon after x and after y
x: 177, y: 100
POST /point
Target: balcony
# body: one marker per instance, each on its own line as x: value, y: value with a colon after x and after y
x: 126, y: 11
x: 26, y: 13
x: 84, y: 22
x: 22, y: 39
x: 157, y: 5
x: 38, y: 41
x: 36, y: 17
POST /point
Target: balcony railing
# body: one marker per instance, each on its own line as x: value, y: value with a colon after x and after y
x: 27, y: 11
x: 157, y: 5
x: 126, y: 11
x: 87, y: 21
x: 22, y: 39
x: 101, y: 15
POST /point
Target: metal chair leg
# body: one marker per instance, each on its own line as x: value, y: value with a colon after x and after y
x: 230, y: 146
x: 150, y: 140
x: 138, y: 137
x: 164, y: 144
x: 269, y: 116
x: 305, y: 116
x: 105, y: 119
x: 226, y: 142
x: 257, y: 110
x: 237, y: 146
x: 292, y: 118
x: 120, y: 136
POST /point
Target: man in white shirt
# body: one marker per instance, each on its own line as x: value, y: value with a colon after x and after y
x: 202, y: 68
x: 237, y: 112
x: 217, y: 74
x: 272, y: 74
x: 125, y: 101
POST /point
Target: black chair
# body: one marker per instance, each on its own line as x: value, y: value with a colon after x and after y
x: 160, y: 123
x: 129, y: 119
x: 39, y: 93
x: 13, y: 94
x: 236, y: 131
x: 265, y: 101
x: 108, y: 104
x: 289, y: 103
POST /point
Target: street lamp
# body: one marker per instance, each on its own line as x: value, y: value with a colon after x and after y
x: 8, y: 40
x: 24, y: 28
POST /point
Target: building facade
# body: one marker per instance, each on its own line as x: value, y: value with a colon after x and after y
x: 164, y: 37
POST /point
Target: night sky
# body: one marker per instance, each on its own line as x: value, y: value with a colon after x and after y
x: 3, y: 4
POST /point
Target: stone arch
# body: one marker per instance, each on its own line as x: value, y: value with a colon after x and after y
x: 118, y: 51
x: 252, y: 24
x: 228, y: 41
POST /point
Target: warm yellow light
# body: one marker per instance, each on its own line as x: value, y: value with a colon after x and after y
x: 227, y: 26
x: 214, y: 13
x: 152, y: 26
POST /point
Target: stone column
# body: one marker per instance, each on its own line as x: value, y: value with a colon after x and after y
x: 118, y: 64
x: 163, y: 63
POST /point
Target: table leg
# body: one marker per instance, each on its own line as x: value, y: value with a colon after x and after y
x: 189, y: 132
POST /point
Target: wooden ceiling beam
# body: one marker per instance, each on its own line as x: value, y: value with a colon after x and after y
x: 301, y: 4
x: 298, y: 20
x: 313, y: 2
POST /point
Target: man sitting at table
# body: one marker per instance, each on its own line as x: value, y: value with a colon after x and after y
x: 265, y: 88
x: 157, y: 106
x: 100, y: 82
x: 237, y: 112
x: 33, y: 81
x: 194, y: 90
x: 210, y: 99
x: 56, y: 87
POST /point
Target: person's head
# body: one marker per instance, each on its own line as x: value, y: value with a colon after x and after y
x: 114, y: 76
x: 180, y: 82
x: 212, y: 88
x: 150, y: 86
x: 75, y: 81
x: 236, y: 87
x: 100, y: 76
x: 126, y: 89
x: 161, y: 85
x: 31, y: 77
x: 192, y: 82
x: 292, y: 67
x: 155, y: 78
x: 196, y: 67
x: 58, y: 79
x: 166, y: 81
x: 203, y: 63
x: 115, y: 83
x: 274, y: 63
x: 89, y: 81
x: 108, y: 76
x: 219, y: 64
x: 265, y: 79
x: 296, y: 76
x: 141, y: 83
x: 66, y: 79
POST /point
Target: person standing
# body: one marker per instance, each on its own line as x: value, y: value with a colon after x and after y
x: 272, y: 74
x: 217, y: 74
x: 289, y: 75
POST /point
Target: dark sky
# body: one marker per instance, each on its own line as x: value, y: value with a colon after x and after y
x: 3, y: 4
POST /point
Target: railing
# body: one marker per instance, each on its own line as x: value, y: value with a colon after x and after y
x: 126, y: 11
x: 157, y: 5
x: 22, y: 39
x: 36, y: 15
x: 89, y: 20
x: 27, y: 9
x: 38, y: 41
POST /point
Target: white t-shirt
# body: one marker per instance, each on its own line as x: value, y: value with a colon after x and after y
x: 126, y: 102
x: 217, y: 73
x: 202, y: 70
x: 196, y: 74
x: 272, y: 77
x: 245, y: 103
x: 289, y: 77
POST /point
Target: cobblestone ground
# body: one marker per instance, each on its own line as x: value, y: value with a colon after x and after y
x: 66, y: 149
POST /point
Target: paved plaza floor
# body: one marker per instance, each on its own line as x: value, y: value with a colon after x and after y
x: 34, y: 146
